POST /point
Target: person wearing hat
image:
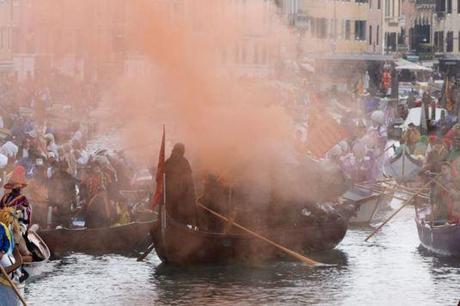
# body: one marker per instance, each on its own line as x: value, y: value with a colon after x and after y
x: 14, y: 198
x: 411, y: 136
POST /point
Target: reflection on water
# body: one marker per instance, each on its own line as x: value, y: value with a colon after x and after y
x: 390, y: 269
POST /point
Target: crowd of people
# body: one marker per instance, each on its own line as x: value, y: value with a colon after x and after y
x: 434, y: 145
x: 48, y: 175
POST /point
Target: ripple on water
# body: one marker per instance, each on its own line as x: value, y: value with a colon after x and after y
x: 391, y: 269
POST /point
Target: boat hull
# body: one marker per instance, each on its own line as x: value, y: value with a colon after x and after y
x: 366, y: 211
x: 116, y: 239
x: 181, y: 245
x: 443, y: 240
x: 35, y: 268
x: 402, y: 167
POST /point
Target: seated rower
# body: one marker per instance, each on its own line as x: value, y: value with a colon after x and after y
x: 440, y: 197
x: 454, y: 209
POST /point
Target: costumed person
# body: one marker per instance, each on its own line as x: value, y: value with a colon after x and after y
x: 62, y: 194
x: 436, y: 156
x: 15, y: 199
x: 10, y: 257
x: 378, y: 131
x: 364, y: 163
x: 453, y: 133
x: 440, y: 197
x: 98, y: 211
x: 180, y: 189
x: 411, y: 137
x: 454, y: 209
x: 51, y: 145
x: 216, y: 197
x: 386, y: 82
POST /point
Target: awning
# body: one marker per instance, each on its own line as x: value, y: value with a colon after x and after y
x: 402, y: 64
x: 353, y: 57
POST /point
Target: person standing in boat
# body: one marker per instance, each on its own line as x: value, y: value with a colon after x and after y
x: 180, y: 189
x: 62, y: 194
x: 436, y: 156
x: 411, y: 137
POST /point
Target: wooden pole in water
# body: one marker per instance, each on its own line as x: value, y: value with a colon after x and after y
x: 401, y: 208
x: 13, y: 286
x: 294, y: 254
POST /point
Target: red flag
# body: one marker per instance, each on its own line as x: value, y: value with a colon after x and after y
x: 160, y: 174
x: 324, y: 131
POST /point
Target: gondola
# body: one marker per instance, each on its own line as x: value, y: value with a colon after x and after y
x: 41, y: 251
x: 115, y: 239
x: 440, y: 239
x: 403, y: 166
x: 367, y: 204
x: 180, y: 244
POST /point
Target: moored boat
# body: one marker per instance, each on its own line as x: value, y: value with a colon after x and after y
x: 366, y: 202
x: 440, y: 239
x: 115, y: 239
x: 41, y: 251
x: 180, y: 244
x: 402, y: 166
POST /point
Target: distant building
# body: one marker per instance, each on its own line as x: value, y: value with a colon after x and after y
x: 348, y: 26
x: 421, y: 38
x: 6, y: 30
x: 446, y: 27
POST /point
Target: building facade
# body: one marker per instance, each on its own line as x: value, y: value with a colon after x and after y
x: 350, y: 26
x: 446, y: 27
x: 6, y: 35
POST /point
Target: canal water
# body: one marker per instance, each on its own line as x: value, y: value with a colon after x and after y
x: 391, y: 269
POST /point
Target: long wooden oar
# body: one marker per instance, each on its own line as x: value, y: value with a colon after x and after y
x: 407, y: 202
x: 294, y: 254
x: 392, y: 190
x: 13, y: 286
x: 146, y: 252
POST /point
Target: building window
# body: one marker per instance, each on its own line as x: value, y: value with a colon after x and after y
x: 458, y: 41
x: 387, y: 8
x: 347, y: 29
x: 379, y: 4
x: 440, y: 6
x: 458, y: 6
x: 321, y: 28
x: 449, y: 6
x: 450, y: 42
x: 370, y: 4
x: 370, y: 35
x: 360, y: 30
x: 439, y: 41
x: 390, y: 41
x: 377, y: 35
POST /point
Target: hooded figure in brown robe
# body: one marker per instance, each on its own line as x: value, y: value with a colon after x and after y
x: 180, y: 189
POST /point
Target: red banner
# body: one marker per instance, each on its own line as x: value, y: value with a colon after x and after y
x: 160, y: 174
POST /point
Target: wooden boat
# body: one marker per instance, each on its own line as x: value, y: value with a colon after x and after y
x: 441, y: 239
x: 41, y: 251
x: 367, y: 204
x: 403, y: 166
x: 180, y: 244
x: 115, y: 239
